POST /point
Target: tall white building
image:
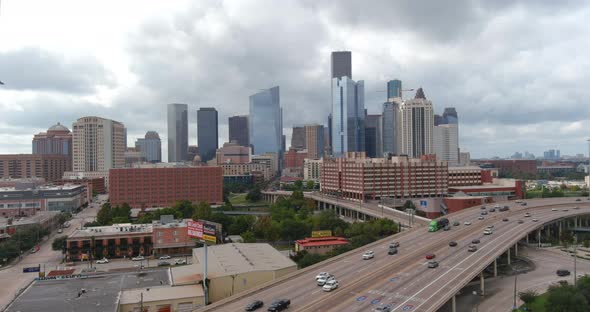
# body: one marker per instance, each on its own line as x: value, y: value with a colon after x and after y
x: 446, y: 143
x: 417, y: 123
x: 98, y: 144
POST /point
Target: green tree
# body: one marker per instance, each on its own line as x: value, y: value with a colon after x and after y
x: 254, y: 195
x: 583, y: 285
x: 241, y: 224
x: 528, y: 296
x: 565, y: 298
x: 261, y: 226
x: 202, y: 211
x: 566, y: 238
x: 409, y: 204
x: 104, y: 216
x: 310, y: 259
x: 248, y: 237
x: 119, y: 220
x: 310, y: 184
x: 298, y: 184
x: 58, y: 242
x: 185, y: 207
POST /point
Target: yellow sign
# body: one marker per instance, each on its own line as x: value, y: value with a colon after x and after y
x: 210, y: 238
x: 325, y: 233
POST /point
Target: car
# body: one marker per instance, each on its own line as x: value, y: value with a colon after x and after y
x: 385, y: 308
x: 505, y: 220
x: 484, y: 213
x: 394, y: 244
x: 102, y: 261
x: 430, y: 256
x: 565, y: 209
x: 553, y: 209
x: 520, y: 222
x: 492, y: 210
x: 527, y: 215
x: 497, y: 206
x: 535, y: 220
x: 483, y: 208
x: 60, y: 231
x: 33, y: 250
x: 446, y: 228
x: 487, y: 232
x: 330, y: 285
x: 279, y: 305
x: 138, y: 258
x: 456, y: 223
x: 163, y: 263
x: 368, y: 255
x: 523, y: 204
x: 490, y: 226
x: 518, y: 201
x: 480, y: 218
x: 576, y: 207
x: 179, y: 261
x: 254, y: 305
x: 577, y: 199
x: 322, y: 274
x: 472, y: 248
x: 562, y: 272
x: 467, y: 222
x: 392, y: 251
x: 432, y: 264
x: 322, y: 280
x: 453, y: 243
x: 475, y: 241
x: 164, y: 257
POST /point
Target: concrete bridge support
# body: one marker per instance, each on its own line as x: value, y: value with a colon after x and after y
x: 516, y: 250
x: 481, y: 284
x: 454, y: 303
x: 508, y: 254
x: 495, y: 267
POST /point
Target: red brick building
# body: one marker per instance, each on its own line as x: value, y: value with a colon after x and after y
x: 513, y: 166
x: 93, y: 185
x: 295, y: 158
x: 172, y: 238
x: 319, y: 245
x: 48, y: 167
x: 162, y: 187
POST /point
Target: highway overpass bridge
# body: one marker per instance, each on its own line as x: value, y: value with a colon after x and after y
x: 404, y: 281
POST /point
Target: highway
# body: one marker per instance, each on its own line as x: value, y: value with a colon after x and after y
x: 404, y: 280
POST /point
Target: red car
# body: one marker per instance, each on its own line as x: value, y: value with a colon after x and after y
x: 430, y: 256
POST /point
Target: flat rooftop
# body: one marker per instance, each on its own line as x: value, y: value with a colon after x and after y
x: 98, y: 231
x: 102, y: 292
x: 159, y: 293
x: 39, y: 217
x: 66, y: 187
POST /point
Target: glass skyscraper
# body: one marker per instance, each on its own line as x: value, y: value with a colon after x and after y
x: 207, y: 133
x: 394, y: 89
x: 348, y: 116
x: 150, y: 146
x: 177, y: 132
x: 266, y: 122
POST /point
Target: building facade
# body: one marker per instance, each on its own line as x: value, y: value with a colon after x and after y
x: 171, y: 238
x: 150, y: 146
x: 391, y: 130
x: 446, y: 143
x: 348, y: 116
x: 341, y: 64
x: 394, y: 89
x: 245, y: 173
x: 99, y: 144
x: 417, y: 123
x: 295, y: 158
x: 238, y: 130
x: 373, y: 136
x: 465, y: 176
x: 233, y: 153
x: 56, y: 141
x: 312, y: 169
x: 133, y: 156
x: 314, y: 141
x: 298, y: 141
x: 164, y: 186
x: 511, y: 166
x: 207, y: 132
x: 177, y: 132
x: 266, y: 122
x: 319, y: 245
x: 48, y: 167
x: 17, y: 201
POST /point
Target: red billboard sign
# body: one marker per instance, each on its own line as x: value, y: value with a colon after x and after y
x: 195, y: 229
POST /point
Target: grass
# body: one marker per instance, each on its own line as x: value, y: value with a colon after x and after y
x: 240, y: 200
x: 538, y: 305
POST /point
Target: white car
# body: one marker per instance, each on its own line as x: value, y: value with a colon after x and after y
x: 368, y: 255
x: 323, y: 280
x: 179, y: 261
x: 553, y: 209
x: 322, y: 274
x: 102, y: 261
x: 487, y: 232
x: 138, y: 258
x: 164, y: 257
x: 527, y: 214
x: 467, y: 223
x: 330, y: 285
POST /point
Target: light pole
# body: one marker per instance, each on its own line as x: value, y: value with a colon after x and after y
x: 575, y: 259
x: 476, y: 303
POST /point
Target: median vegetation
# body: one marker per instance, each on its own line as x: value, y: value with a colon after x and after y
x: 560, y: 297
x: 23, y: 239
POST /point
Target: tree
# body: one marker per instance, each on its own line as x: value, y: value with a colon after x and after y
x: 566, y: 238
x: 310, y: 184
x: 59, y: 242
x: 583, y: 286
x: 254, y: 195
x: 119, y: 220
x: 261, y: 226
x: 185, y: 207
x: 248, y: 237
x: 241, y: 224
x: 298, y: 184
x: 409, y: 204
x: 565, y: 298
x: 103, y: 217
x: 528, y: 296
x: 202, y: 211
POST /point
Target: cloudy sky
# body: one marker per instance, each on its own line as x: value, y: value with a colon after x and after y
x: 517, y: 71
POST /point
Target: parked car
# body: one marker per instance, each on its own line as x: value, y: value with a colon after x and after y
x: 60, y: 231
x: 368, y: 255
x: 475, y: 241
x: 563, y: 272
x: 432, y: 264
x: 279, y: 305
x: 164, y: 257
x: 254, y: 305
x: 330, y: 285
x: 453, y: 243
x: 430, y: 256
x: 163, y: 263
x: 179, y: 261
x: 472, y: 248
x: 322, y: 274
x: 138, y: 258
x: 102, y: 261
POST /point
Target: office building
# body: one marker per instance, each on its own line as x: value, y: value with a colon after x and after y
x: 348, y: 116
x: 56, y: 141
x: 391, y: 130
x: 329, y: 137
x: 298, y: 138
x: 417, y: 123
x: 99, y: 144
x: 551, y: 154
x: 192, y: 152
x: 446, y: 143
x: 238, y: 130
x: 266, y: 122
x: 133, y: 156
x: 341, y: 64
x: 233, y: 153
x: 150, y: 147
x: 177, y: 132
x: 314, y: 141
x: 439, y: 120
x: 373, y: 136
x: 394, y: 89
x: 22, y: 166
x: 312, y: 169
x: 23, y: 200
x: 464, y: 158
x: 295, y: 158
x: 450, y: 116
x: 207, y: 133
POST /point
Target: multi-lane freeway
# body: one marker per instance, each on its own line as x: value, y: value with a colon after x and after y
x: 404, y: 281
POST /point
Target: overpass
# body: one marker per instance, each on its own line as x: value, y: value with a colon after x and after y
x: 356, y: 210
x: 404, y: 281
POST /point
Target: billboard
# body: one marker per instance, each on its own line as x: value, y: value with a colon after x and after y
x: 324, y: 233
x: 31, y: 269
x: 209, y: 233
x: 195, y: 229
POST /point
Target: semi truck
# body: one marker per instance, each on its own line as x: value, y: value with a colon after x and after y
x: 436, y: 225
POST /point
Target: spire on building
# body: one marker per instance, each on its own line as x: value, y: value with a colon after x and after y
x: 420, y: 94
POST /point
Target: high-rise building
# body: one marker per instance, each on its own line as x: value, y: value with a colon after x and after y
x: 329, y: 140
x: 150, y: 146
x: 446, y: 143
x: 417, y: 122
x: 25, y: 166
x: 238, y: 130
x: 177, y: 132
x: 348, y: 116
x: 439, y: 120
x: 133, y: 156
x: 207, y: 133
x: 314, y: 141
x: 265, y: 122
x: 450, y: 116
x: 373, y: 136
x: 391, y: 130
x: 341, y: 64
x: 551, y: 154
x: 233, y: 153
x: 98, y: 144
x: 56, y: 141
x: 298, y: 138
x: 394, y: 89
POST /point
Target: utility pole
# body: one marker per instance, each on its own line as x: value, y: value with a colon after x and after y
x: 515, y: 278
x: 141, y: 302
x: 575, y: 259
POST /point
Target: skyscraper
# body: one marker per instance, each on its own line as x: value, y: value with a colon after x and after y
x: 417, y: 122
x: 298, y: 138
x: 266, y: 122
x: 446, y: 143
x: 328, y: 142
x: 177, y: 132
x: 314, y: 141
x: 348, y: 116
x: 373, y: 137
x: 56, y: 141
x: 394, y: 89
x: 391, y: 130
x: 238, y: 130
x: 439, y: 120
x: 341, y: 64
x: 207, y: 133
x: 150, y: 147
x: 98, y: 144
x: 450, y: 116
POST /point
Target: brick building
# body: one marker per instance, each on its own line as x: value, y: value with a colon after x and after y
x: 463, y: 176
x: 295, y: 158
x: 162, y: 187
x: 48, y: 167
x: 511, y: 166
x: 171, y: 238
x: 319, y: 245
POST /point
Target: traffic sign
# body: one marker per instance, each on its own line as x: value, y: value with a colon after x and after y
x: 31, y: 269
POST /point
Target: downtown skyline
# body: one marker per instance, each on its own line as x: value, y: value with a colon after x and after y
x: 506, y: 101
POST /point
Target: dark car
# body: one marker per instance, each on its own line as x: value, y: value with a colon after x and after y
x: 505, y: 219
x: 523, y: 204
x: 577, y: 199
x: 483, y: 213
x: 392, y: 251
x: 505, y: 208
x: 446, y: 228
x: 432, y: 264
x: 520, y: 222
x: 492, y: 209
x: 456, y: 223
x: 279, y: 305
x: 163, y: 263
x: 482, y: 207
x: 475, y: 241
x: 394, y: 245
x: 453, y: 243
x: 254, y: 305
x: 563, y: 272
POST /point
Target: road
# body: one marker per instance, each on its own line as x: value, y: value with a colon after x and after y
x: 404, y: 280
x: 46, y: 257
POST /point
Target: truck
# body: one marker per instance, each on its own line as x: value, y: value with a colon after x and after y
x: 436, y: 225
